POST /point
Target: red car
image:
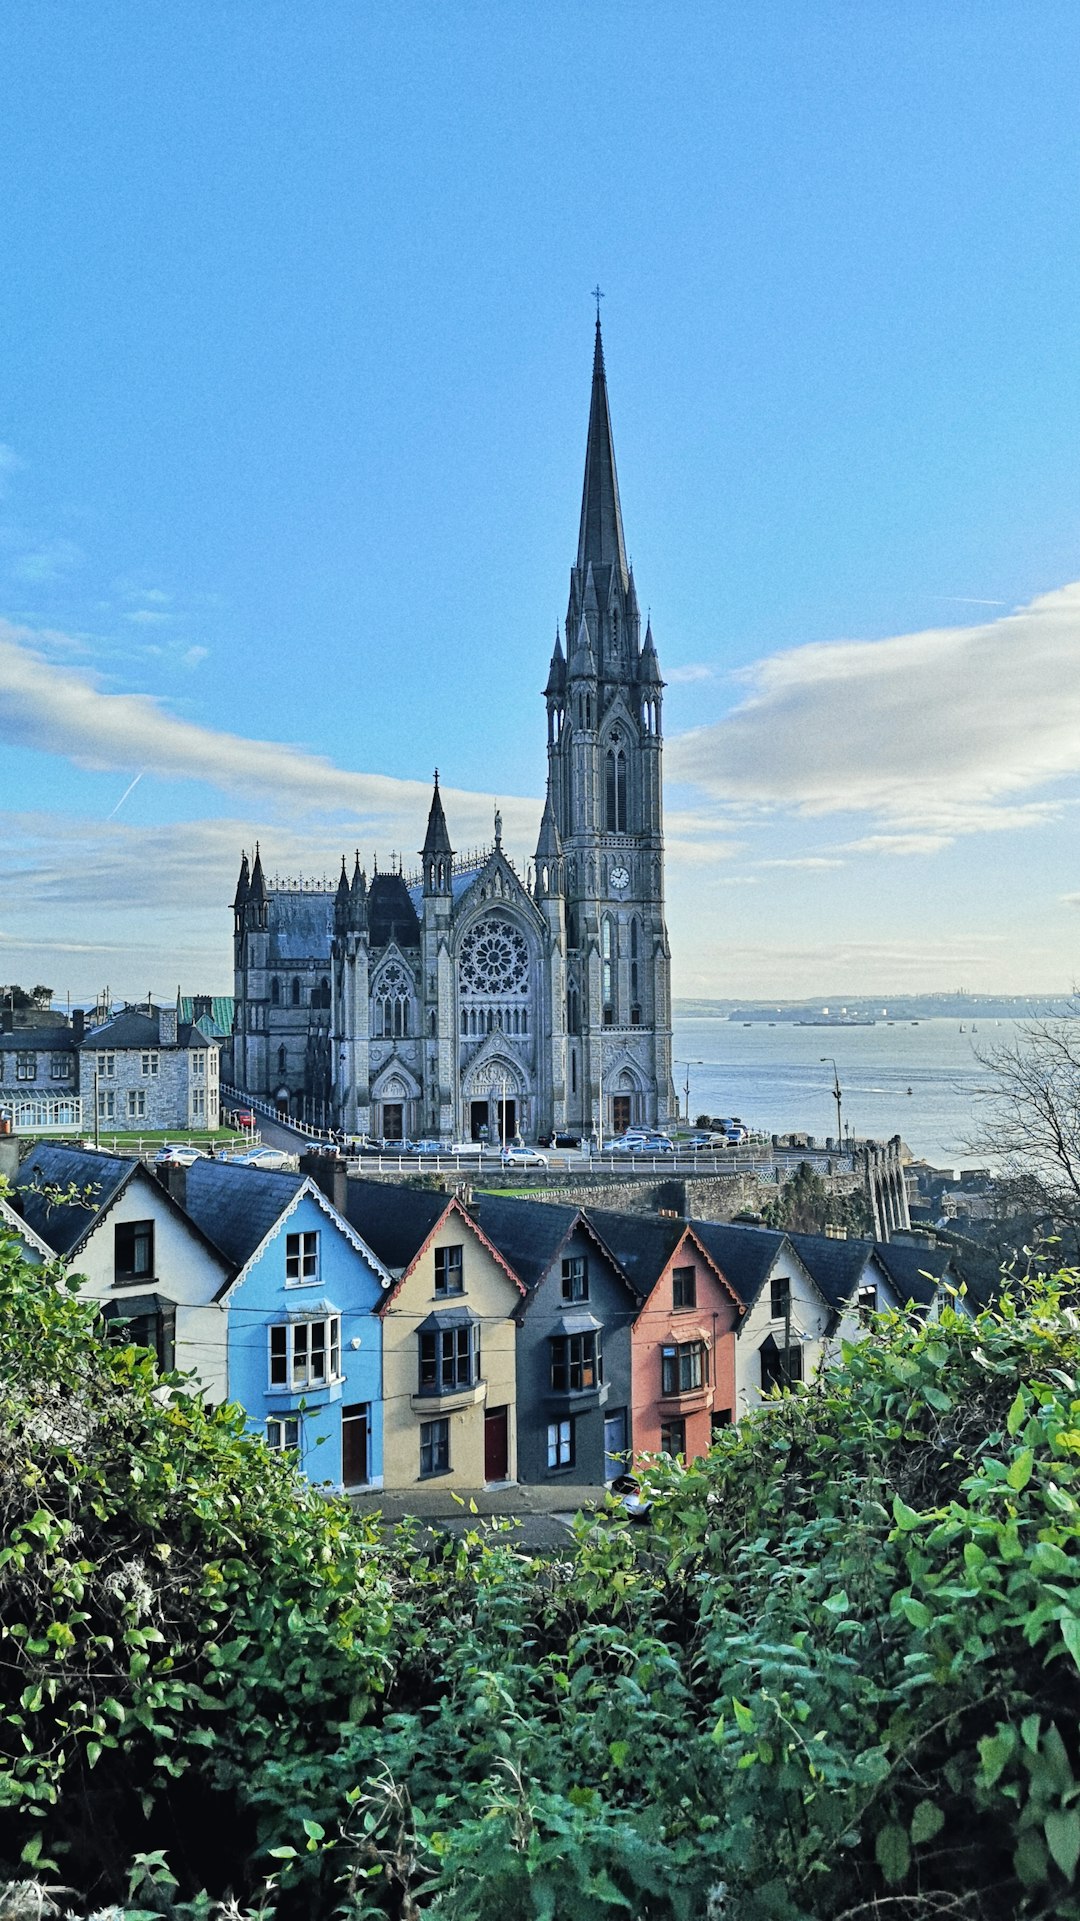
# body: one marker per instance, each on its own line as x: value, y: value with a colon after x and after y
x: 243, y: 1117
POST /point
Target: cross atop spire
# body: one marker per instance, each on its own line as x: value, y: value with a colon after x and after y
x: 600, y: 538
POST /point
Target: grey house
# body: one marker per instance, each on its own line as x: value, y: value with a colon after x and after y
x: 574, y: 1395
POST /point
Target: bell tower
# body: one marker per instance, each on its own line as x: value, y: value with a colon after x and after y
x: 604, y: 704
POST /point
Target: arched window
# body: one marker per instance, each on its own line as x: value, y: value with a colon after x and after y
x: 390, y: 1006
x: 573, y: 1017
x: 615, y: 790
x: 320, y: 996
x: 295, y: 991
x: 607, y: 958
x: 281, y: 1060
x: 275, y: 992
x: 431, y: 1023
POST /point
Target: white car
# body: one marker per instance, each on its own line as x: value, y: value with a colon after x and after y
x: 523, y: 1157
x: 273, y: 1158
x: 178, y: 1154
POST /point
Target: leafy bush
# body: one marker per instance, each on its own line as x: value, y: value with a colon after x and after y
x: 836, y: 1677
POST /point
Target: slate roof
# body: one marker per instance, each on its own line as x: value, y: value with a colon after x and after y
x: 98, y: 1178
x: 744, y: 1255
x: 131, y: 1028
x: 529, y: 1234
x: 235, y: 1207
x: 38, y: 1040
x: 836, y: 1267
x: 13, y: 1222
x: 641, y: 1244
x: 301, y: 928
x: 391, y: 914
x: 907, y: 1267
x: 394, y: 1221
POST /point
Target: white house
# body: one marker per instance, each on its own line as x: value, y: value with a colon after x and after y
x: 784, y: 1333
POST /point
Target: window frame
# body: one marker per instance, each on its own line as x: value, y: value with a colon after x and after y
x: 680, y: 1362
x: 435, y: 1443
x: 684, y: 1293
x: 448, y: 1262
x: 26, y: 1066
x: 136, y: 1103
x: 149, y: 1063
x: 277, y: 1436
x: 561, y: 1444
x: 292, y: 1350
x: 298, y: 1272
x: 575, y: 1278
x: 140, y: 1234
x: 577, y: 1362
x: 780, y: 1297
x: 671, y: 1431
x: 448, y: 1359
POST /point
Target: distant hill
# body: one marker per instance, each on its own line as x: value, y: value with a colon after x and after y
x: 863, y: 1007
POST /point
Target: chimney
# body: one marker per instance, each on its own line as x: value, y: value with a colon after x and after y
x: 78, y: 1025
x: 174, y: 1181
x: 329, y: 1173
x: 167, y: 1026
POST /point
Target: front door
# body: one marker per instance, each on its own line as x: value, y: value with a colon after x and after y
x: 393, y: 1121
x: 496, y: 1443
x: 614, y: 1444
x: 620, y: 1112
x: 354, y: 1445
x: 478, y: 1119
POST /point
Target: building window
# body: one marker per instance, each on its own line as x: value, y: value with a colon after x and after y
x: 198, y: 1066
x: 615, y: 792
x: 295, y: 991
x: 106, y: 1066
x: 149, y: 1062
x: 684, y: 1287
x: 133, y: 1251
x: 684, y: 1368
x: 560, y: 1444
x: 106, y: 1105
x: 867, y: 1301
x: 275, y: 992
x: 284, y: 1435
x: 60, y: 1067
x: 281, y: 1060
x: 301, y: 1258
x: 434, y: 1448
x: 781, y: 1297
x: 449, y: 1277
x: 575, y: 1278
x: 778, y: 1370
x: 449, y: 1359
x: 306, y: 1353
x: 673, y: 1438
x: 155, y: 1330
x: 576, y: 1363
x: 26, y: 1067
x: 198, y: 1103
x: 136, y: 1103
x: 607, y: 968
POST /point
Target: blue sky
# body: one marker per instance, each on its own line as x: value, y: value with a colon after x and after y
x: 293, y: 404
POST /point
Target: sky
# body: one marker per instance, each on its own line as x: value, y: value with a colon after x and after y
x: 293, y: 396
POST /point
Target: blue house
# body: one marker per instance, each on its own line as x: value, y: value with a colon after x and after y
x: 304, y: 1338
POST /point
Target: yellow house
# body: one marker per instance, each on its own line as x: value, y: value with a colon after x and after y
x: 449, y: 1369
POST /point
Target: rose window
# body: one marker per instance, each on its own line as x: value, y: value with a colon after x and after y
x: 494, y: 960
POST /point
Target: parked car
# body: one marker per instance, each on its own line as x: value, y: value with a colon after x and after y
x: 626, y: 1490
x: 273, y: 1158
x: 467, y: 1150
x: 429, y: 1147
x: 523, y: 1157
x: 178, y: 1154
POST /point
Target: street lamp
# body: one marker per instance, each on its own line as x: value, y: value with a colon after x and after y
x: 686, y: 1085
x: 836, y: 1097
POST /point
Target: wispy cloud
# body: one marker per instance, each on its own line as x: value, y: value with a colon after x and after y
x: 685, y: 676
x: 59, y: 711
x: 937, y: 733
x: 49, y: 561
x: 147, y: 617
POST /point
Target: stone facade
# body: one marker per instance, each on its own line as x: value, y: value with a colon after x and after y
x: 466, y: 1001
x: 148, y: 1072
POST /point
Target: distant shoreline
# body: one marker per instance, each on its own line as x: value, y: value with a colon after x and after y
x: 848, y: 1010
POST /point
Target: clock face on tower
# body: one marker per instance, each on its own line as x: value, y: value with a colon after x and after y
x: 620, y: 879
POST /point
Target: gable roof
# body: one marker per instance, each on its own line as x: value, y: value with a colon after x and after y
x: 62, y: 1192
x: 641, y: 1245
x: 398, y: 1223
x: 745, y: 1255
x: 133, y: 1027
x: 13, y: 1221
x: 532, y: 1234
x: 835, y: 1266
x: 240, y: 1208
x: 915, y: 1272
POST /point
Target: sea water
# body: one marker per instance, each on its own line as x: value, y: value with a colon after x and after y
x: 919, y: 1079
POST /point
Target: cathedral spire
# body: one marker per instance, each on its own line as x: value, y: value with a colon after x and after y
x: 257, y: 890
x: 242, y: 885
x: 437, y: 854
x: 600, y: 538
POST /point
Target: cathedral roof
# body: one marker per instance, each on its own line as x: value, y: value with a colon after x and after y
x: 600, y: 537
x: 301, y: 925
x: 437, y: 838
x: 391, y: 914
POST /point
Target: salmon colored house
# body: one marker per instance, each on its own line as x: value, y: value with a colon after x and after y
x: 683, y: 1338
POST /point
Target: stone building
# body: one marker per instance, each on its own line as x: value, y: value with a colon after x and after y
x: 467, y: 997
x: 146, y: 1070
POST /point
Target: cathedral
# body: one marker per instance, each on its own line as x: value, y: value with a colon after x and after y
x: 467, y: 1002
